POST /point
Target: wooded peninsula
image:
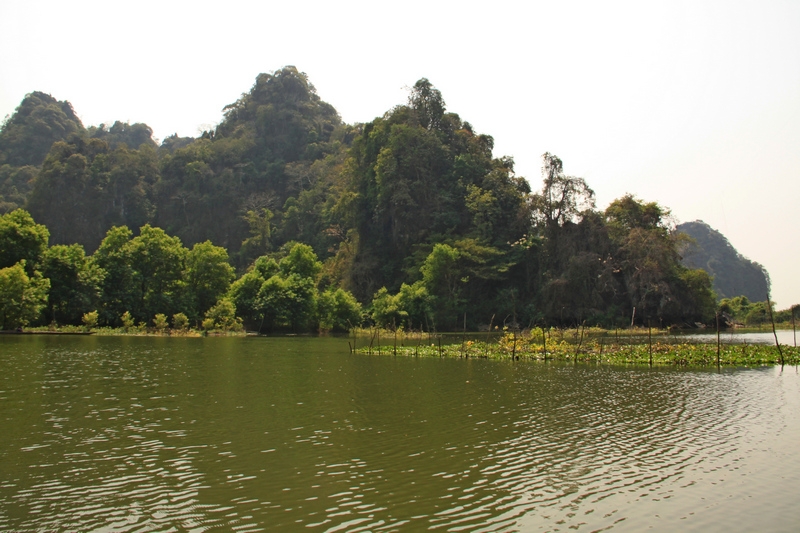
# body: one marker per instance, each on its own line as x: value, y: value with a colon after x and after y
x: 283, y: 218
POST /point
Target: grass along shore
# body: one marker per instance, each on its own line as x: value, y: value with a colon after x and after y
x: 136, y: 331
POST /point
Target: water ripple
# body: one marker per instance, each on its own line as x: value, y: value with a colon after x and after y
x: 152, y: 435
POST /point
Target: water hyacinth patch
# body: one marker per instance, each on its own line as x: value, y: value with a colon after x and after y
x: 658, y: 353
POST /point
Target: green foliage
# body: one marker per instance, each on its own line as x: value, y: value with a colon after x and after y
x: 386, y: 310
x: 75, y: 284
x: 154, y: 273
x: 301, y: 261
x: 733, y: 274
x: 22, y: 297
x: 15, y: 185
x: 22, y: 239
x: 230, y: 185
x: 85, y: 187
x: 285, y: 295
x: 563, y: 198
x: 628, y: 213
x: 127, y: 320
x: 529, y: 347
x: 131, y: 135
x: 158, y: 262
x: 410, y: 307
x: 118, y: 288
x: 427, y: 103
x: 260, y: 232
x: 38, y: 122
x: 180, y: 321
x: 222, y: 316
x: 410, y: 211
x: 444, y: 278
x: 338, y: 310
x: 90, y: 320
x: 244, y: 293
x: 160, y: 322
x: 208, y: 276
x: 288, y: 302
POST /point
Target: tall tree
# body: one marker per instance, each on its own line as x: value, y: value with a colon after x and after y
x: 158, y: 263
x: 119, y: 286
x: 208, y: 276
x: 75, y: 283
x: 22, y: 297
x: 22, y: 239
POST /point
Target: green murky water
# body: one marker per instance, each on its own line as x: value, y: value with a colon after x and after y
x: 297, y: 434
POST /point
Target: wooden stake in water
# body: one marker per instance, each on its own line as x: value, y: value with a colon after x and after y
x: 463, y: 335
x: 794, y: 332
x: 544, y: 343
x: 650, y: 341
x: 717, y: 340
x: 774, y: 333
x: 489, y: 335
x: 514, y: 349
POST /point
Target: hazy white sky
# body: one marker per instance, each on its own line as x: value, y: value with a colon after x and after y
x: 692, y: 104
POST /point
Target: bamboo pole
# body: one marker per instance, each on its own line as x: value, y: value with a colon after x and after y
x: 774, y: 333
x: 544, y: 343
x: 514, y: 348
x: 718, y: 340
x: 463, y: 335
x: 489, y: 335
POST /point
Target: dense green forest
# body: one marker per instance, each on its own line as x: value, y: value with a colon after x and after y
x: 285, y: 218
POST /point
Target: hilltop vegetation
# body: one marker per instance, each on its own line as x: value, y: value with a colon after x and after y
x: 410, y: 217
x: 734, y: 275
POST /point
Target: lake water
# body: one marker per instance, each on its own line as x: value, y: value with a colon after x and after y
x: 296, y: 434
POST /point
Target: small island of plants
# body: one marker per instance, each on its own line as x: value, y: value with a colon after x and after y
x: 636, y: 346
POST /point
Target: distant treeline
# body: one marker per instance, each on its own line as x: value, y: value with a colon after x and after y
x: 407, y: 221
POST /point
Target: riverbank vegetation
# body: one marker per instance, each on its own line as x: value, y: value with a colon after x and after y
x: 284, y: 219
x: 626, y: 347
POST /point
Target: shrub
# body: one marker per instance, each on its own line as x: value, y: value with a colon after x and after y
x: 160, y: 322
x: 127, y: 320
x: 180, y: 321
x: 90, y: 320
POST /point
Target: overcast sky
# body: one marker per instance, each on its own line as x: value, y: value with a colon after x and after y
x: 695, y: 105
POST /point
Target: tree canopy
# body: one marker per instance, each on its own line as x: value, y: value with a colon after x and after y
x: 289, y: 219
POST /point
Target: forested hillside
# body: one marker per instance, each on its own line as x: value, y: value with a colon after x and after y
x: 411, y: 214
x: 734, y: 274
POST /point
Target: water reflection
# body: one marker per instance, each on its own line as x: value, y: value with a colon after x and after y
x: 283, y: 434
